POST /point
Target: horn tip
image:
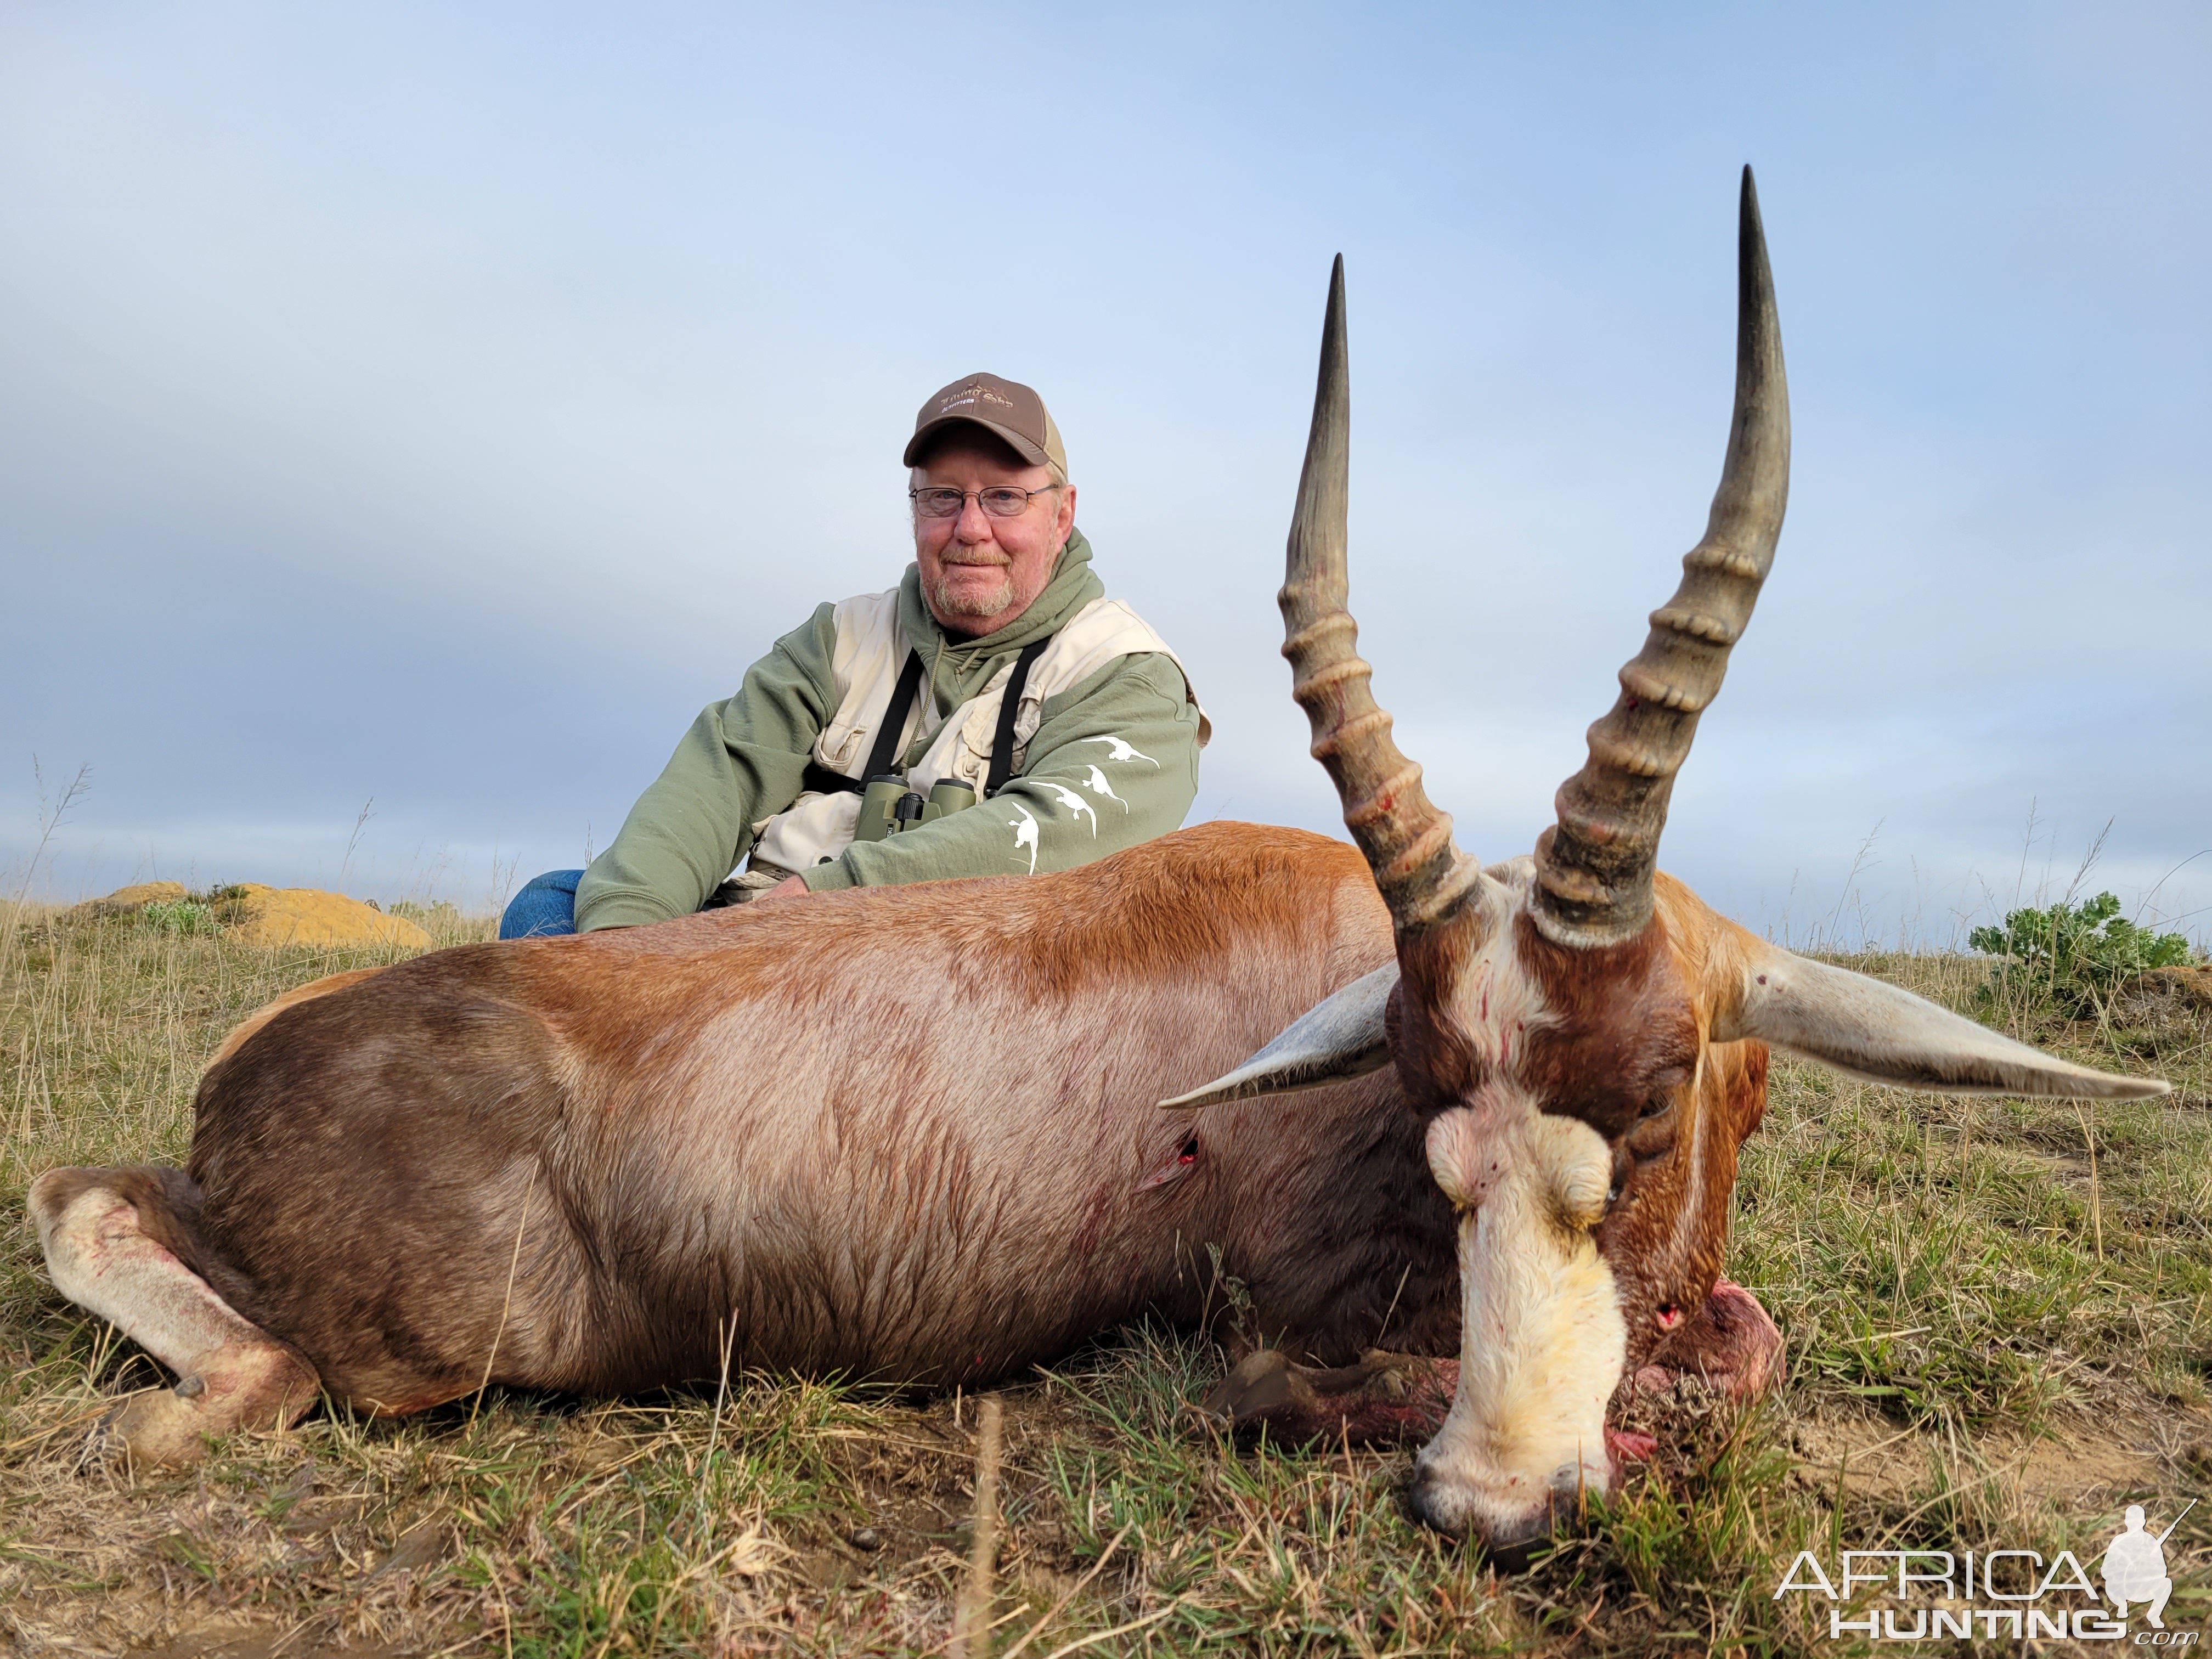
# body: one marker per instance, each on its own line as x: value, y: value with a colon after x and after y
x: 1753, y: 222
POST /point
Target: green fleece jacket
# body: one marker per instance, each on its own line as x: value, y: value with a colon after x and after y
x: 744, y: 760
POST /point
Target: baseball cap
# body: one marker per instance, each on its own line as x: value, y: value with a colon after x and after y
x: 1007, y: 408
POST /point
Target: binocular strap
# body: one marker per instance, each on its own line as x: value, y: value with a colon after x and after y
x: 1010, y: 707
x: 883, y: 752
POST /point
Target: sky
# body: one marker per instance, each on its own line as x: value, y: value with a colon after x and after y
x: 410, y: 416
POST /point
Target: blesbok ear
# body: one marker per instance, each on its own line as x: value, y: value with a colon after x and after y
x: 1866, y: 1029
x: 1338, y: 1037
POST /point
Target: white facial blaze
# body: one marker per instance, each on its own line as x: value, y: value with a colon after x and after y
x: 1543, y: 1344
x: 1691, y: 1146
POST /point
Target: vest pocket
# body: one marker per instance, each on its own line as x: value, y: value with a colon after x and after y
x: 817, y: 827
x: 842, y: 744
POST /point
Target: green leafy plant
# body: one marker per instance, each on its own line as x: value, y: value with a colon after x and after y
x: 184, y: 916
x: 2080, y: 954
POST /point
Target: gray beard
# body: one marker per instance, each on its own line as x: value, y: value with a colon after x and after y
x: 952, y: 603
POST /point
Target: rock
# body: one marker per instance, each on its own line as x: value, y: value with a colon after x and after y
x: 127, y: 900
x: 274, y: 917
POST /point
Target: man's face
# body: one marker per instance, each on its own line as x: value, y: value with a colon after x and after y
x: 978, y: 573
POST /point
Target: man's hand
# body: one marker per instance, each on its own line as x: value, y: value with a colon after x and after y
x: 789, y: 887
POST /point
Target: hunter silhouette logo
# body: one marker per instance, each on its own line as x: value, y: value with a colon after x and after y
x: 2134, y: 1566
x: 1997, y: 1593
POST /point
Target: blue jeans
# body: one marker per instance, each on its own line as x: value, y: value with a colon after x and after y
x: 545, y: 906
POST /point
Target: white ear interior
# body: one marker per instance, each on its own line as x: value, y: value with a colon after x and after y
x: 1338, y: 1037
x: 1868, y: 1030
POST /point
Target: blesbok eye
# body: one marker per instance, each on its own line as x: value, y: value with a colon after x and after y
x: 1666, y: 1087
x: 1624, y: 1165
x: 1654, y: 1133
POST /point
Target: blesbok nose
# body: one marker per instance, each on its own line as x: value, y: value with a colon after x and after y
x: 1508, y: 1524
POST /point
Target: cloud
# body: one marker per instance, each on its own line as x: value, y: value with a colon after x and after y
x: 442, y: 408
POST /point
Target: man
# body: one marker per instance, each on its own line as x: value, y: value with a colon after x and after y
x: 998, y: 668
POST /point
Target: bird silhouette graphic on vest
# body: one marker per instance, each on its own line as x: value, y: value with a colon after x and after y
x: 1122, y: 750
x: 1025, y: 833
x: 1097, y: 784
x: 1074, y: 803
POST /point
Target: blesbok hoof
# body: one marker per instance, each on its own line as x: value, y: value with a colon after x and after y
x: 1384, y: 1399
x: 150, y: 1428
x: 1730, y: 1344
x: 270, y: 1386
x: 1257, y: 1382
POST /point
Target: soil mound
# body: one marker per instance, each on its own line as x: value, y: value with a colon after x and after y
x: 271, y: 917
x: 2191, y: 985
x: 127, y: 900
x: 274, y: 917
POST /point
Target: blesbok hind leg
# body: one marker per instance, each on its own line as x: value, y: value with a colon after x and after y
x: 103, y: 1232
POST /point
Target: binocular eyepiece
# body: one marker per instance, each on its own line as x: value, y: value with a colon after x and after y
x: 890, y: 804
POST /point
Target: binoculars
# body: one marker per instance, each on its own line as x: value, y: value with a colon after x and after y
x: 890, y: 804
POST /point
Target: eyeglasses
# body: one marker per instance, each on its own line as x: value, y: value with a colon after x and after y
x: 1000, y: 501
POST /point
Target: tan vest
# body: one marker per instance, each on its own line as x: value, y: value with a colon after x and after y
x: 871, y: 648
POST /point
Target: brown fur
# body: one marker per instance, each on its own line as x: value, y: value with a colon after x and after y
x: 261, y: 1016
x: 1436, y: 1061
x: 900, y: 1132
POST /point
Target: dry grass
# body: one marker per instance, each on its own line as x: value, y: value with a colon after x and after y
x: 1996, y: 1312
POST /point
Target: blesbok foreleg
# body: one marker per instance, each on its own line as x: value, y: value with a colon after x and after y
x: 1382, y: 1400
x: 107, y: 1234
x: 1728, y: 1344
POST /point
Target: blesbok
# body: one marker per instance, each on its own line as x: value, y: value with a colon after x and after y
x: 914, y: 1131
x: 1587, y: 1041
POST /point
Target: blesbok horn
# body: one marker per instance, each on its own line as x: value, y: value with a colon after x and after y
x: 1594, y: 867
x: 1422, y: 875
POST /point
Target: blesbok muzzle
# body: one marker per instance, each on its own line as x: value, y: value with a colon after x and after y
x: 1585, y: 1035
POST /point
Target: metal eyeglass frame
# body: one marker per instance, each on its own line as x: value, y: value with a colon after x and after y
x: 976, y: 495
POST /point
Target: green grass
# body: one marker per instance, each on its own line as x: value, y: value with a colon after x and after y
x: 1994, y: 1334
